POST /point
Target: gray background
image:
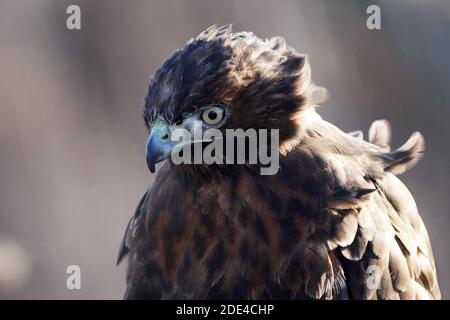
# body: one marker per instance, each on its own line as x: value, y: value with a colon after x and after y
x: 72, y: 165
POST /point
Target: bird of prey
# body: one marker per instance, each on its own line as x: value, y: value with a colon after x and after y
x: 334, y: 222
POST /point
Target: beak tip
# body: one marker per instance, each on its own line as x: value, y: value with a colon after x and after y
x: 156, y: 148
x: 151, y: 165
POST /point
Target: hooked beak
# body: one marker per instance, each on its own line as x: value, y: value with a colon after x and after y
x: 159, y: 145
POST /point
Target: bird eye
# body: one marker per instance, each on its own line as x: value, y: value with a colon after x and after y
x: 213, y: 115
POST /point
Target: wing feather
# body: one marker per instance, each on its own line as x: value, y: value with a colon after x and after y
x: 386, y: 252
x: 389, y: 256
x: 130, y: 231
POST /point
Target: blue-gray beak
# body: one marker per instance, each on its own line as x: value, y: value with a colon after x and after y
x: 159, y: 145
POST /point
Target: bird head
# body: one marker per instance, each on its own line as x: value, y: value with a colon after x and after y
x: 226, y: 80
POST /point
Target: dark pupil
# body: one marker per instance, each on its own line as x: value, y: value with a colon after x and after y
x: 212, y: 115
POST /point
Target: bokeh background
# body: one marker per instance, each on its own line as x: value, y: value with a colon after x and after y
x: 72, y: 165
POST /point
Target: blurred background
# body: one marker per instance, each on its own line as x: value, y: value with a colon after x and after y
x: 72, y: 165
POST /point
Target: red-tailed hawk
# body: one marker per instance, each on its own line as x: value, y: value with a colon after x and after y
x: 334, y: 222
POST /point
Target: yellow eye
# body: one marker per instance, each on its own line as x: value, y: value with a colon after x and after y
x: 213, y: 115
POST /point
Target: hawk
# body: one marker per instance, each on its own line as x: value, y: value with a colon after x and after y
x: 334, y: 222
